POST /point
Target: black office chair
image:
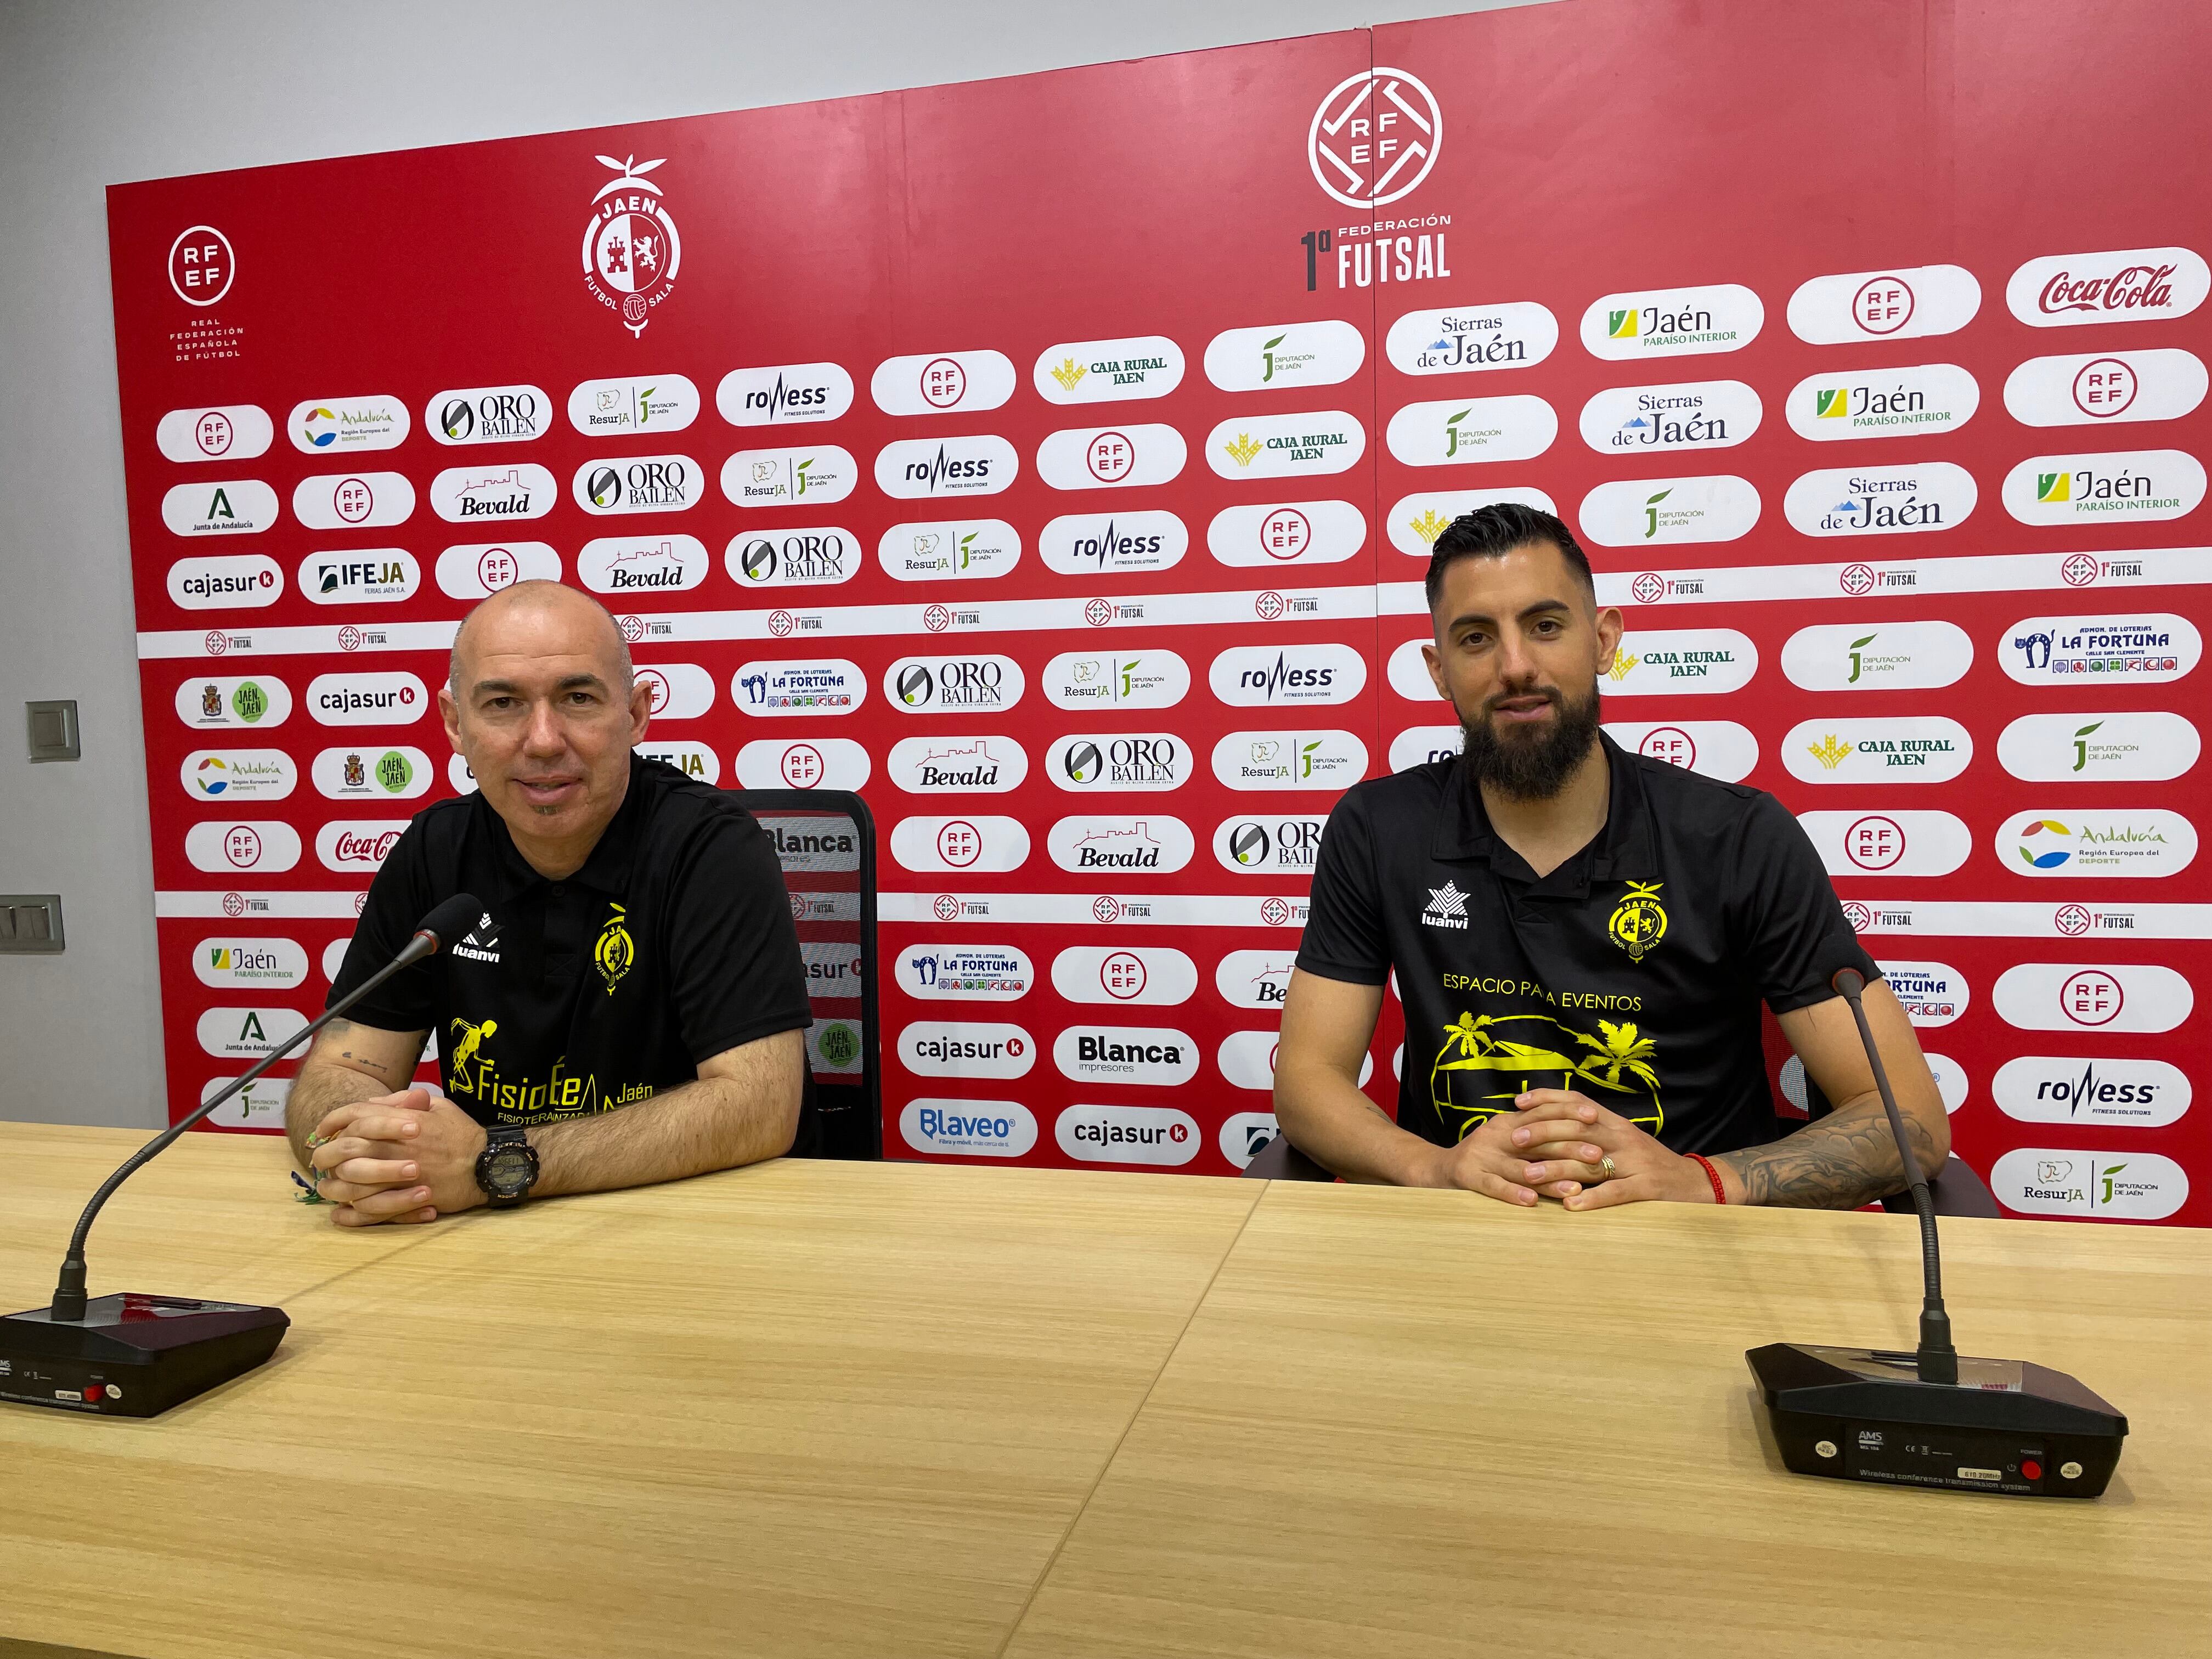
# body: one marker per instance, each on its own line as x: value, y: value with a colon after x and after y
x: 825, y: 839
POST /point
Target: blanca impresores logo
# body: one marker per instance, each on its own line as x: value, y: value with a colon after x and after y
x: 631, y: 249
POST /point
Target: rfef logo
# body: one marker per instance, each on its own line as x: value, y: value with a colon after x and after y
x: 1374, y: 138
x: 202, y: 266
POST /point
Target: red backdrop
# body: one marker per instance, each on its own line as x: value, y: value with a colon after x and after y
x: 1862, y: 341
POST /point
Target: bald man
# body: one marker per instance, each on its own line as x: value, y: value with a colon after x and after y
x: 630, y: 1006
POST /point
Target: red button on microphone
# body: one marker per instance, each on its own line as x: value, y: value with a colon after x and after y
x: 93, y: 1391
x: 2031, y: 1469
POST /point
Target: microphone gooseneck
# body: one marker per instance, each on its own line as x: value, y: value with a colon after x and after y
x: 1938, y: 1359
x: 444, y: 923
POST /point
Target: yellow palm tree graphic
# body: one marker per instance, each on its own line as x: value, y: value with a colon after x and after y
x: 1621, y: 1050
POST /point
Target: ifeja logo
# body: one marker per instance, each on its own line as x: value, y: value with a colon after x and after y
x: 631, y: 248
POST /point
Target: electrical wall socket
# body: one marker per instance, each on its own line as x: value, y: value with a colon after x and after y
x: 30, y: 924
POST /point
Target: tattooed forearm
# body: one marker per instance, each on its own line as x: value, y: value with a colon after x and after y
x: 1846, y: 1160
x: 349, y: 1062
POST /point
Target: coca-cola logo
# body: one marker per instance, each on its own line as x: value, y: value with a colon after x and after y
x: 353, y: 848
x: 2131, y: 288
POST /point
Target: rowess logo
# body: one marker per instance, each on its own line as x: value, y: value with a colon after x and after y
x: 1110, y: 760
x: 913, y: 468
x: 928, y: 685
x: 1158, y: 1135
x: 793, y: 558
x: 789, y: 394
x: 1270, y: 846
x: 486, y: 415
x: 2141, y: 1093
x: 1250, y: 675
x: 366, y: 699
x: 967, y: 1128
x: 1374, y: 138
x: 1089, y: 543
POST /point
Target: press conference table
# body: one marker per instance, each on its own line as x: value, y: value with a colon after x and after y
x: 895, y: 1410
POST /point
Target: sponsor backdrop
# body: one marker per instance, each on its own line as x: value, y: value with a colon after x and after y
x: 1053, y: 461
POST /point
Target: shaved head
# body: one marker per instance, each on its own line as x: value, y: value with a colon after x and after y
x: 543, y: 616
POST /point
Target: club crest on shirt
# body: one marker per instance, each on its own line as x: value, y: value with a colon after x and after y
x: 615, y: 951
x: 1639, y: 922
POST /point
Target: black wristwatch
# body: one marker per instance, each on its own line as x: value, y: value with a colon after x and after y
x: 507, y: 1168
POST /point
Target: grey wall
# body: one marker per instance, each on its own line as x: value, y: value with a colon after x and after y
x: 99, y: 92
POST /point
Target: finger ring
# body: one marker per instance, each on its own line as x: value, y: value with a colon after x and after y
x: 1606, y: 1164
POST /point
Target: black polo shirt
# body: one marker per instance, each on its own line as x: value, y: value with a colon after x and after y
x: 673, y: 943
x: 1632, y: 973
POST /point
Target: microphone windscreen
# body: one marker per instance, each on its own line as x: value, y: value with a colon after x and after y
x: 1848, y: 981
x: 450, y: 921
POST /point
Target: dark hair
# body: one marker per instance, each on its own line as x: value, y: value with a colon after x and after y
x: 1492, y: 531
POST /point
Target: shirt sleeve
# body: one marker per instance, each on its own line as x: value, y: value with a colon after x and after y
x: 1344, y: 937
x: 1789, y: 932
x: 397, y: 899
x: 734, y: 967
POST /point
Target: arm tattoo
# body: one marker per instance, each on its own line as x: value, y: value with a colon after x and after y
x: 1844, y: 1160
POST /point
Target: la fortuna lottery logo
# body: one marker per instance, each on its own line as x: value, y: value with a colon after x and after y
x: 631, y: 249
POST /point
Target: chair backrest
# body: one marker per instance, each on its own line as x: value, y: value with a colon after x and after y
x: 825, y: 840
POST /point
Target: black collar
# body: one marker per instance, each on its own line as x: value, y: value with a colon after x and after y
x: 605, y: 870
x: 1623, y: 850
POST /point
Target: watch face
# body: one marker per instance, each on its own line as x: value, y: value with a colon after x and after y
x: 508, y: 1170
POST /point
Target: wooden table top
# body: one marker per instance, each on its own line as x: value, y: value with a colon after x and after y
x: 819, y: 1409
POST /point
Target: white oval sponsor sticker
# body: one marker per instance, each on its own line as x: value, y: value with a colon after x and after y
x: 2122, y: 285
x: 1127, y: 1134
x: 223, y: 703
x: 967, y: 1128
x: 1425, y: 745
x: 1468, y: 339
x: 1950, y: 1079
x: 386, y: 699
x: 812, y: 764
x: 339, y: 425
x: 1110, y: 763
x: 229, y: 432
x: 476, y: 570
x: 1894, y: 656
x: 247, y: 1033
x: 1312, y: 444
x: 1881, y: 501
x: 1661, y: 662
x: 1672, y: 322
x: 966, y: 1048
x: 786, y: 477
x: 1713, y: 748
x: 976, y: 842
x: 1269, y: 843
x: 633, y: 403
x: 694, y: 760
x: 1255, y: 979
x: 371, y: 772
x: 1908, y: 302
x: 678, y: 691
x: 784, y: 394
x: 1149, y: 975
x: 258, y: 1105
x: 2123, y: 746
x: 2116, y: 997
x: 834, y: 969
x: 364, y: 575
x: 2119, y: 648
x: 939, y: 383
x: 472, y: 494
x: 1694, y: 415
x: 224, y: 582
x: 1891, y: 843
x: 1331, y: 761
x: 953, y: 685
x: 1247, y: 1059
x: 960, y: 549
x: 265, y: 846
x: 358, y: 844
x: 229, y: 961
x: 967, y: 765
x: 814, y: 845
x: 1888, y: 403
x: 2141, y: 1094
x: 638, y: 484
x: 1286, y: 532
x: 353, y: 500
x: 917, y: 469
x: 230, y: 507
x: 488, y: 415
x: 1151, y: 843
x: 642, y: 564
x: 822, y: 555
x: 238, y: 774
x: 2137, y: 485
x: 1459, y: 431
x: 2116, y: 386
x: 1116, y: 679
x: 1270, y: 675
x: 1633, y: 512
x: 830, y: 686
x: 1095, y: 544
x: 1899, y: 748
x: 1243, y: 1136
x: 1417, y: 520
x: 1147, y: 1055
x: 1931, y: 993
x: 960, y: 973
x: 1108, y: 371
x: 1111, y: 457
x: 2132, y: 1186
x: 2097, y: 842
x: 1285, y: 355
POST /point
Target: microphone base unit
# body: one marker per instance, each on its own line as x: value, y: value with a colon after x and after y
x: 2006, y: 1426
x: 132, y: 1355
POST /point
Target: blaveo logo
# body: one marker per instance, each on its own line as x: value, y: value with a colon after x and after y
x: 967, y: 1128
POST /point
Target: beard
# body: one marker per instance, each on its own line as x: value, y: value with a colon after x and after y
x: 1531, y: 763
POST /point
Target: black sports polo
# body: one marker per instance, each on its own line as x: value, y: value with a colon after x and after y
x: 1632, y: 973
x: 673, y: 943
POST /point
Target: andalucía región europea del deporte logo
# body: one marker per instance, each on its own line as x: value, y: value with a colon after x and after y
x: 631, y: 247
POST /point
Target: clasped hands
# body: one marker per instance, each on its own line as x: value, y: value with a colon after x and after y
x: 1554, y: 1143
x: 408, y: 1157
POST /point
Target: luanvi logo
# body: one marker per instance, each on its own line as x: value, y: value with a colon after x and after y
x: 482, y: 944
x: 1447, y: 908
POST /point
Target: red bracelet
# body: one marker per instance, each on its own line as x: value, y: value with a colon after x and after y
x: 1720, y: 1193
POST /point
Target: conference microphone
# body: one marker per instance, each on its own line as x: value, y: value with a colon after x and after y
x: 135, y: 1355
x: 1930, y: 1418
